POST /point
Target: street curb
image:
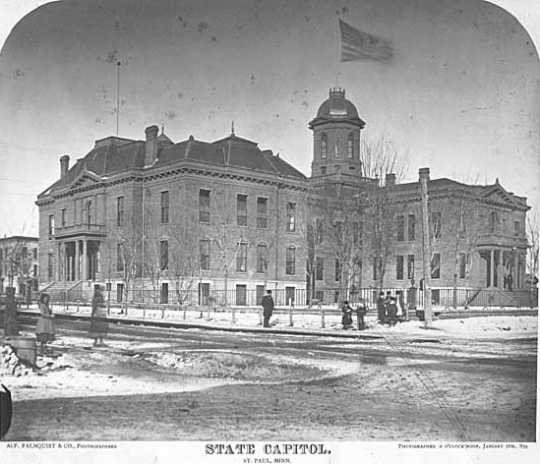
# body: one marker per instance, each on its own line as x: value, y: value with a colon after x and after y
x: 184, y: 325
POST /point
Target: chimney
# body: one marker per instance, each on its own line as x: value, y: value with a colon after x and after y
x: 151, y: 148
x: 64, y: 165
x: 390, y: 179
x: 423, y: 173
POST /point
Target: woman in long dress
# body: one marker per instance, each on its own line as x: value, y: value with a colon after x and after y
x: 45, y: 326
x: 98, y: 323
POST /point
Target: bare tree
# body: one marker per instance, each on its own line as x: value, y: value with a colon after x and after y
x: 532, y: 255
x: 185, y: 267
x: 380, y: 156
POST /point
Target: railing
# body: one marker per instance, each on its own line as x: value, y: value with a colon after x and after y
x: 411, y: 298
x: 75, y: 229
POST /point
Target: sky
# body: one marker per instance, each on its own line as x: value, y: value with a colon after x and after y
x: 461, y: 94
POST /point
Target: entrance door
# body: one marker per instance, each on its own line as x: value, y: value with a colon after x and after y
x: 164, y: 297
x: 289, y: 295
x: 204, y: 293
x: 241, y: 295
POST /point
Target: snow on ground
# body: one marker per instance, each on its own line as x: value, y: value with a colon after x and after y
x: 330, y: 321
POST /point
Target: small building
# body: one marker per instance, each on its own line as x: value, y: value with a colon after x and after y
x: 19, y: 264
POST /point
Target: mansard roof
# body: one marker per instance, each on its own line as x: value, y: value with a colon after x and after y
x: 109, y: 158
x: 489, y: 193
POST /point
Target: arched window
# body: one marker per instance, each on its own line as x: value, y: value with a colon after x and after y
x: 350, y: 145
x: 324, y: 145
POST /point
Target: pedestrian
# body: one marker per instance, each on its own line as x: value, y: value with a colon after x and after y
x: 45, y: 325
x: 98, y: 321
x: 392, y: 311
x: 387, y: 300
x: 346, y: 318
x: 361, y: 311
x: 381, y: 309
x: 11, y: 324
x: 268, y: 307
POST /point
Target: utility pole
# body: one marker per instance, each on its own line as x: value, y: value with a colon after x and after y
x: 426, y: 246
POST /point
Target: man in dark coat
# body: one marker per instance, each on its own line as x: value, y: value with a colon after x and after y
x: 381, y: 308
x: 361, y: 311
x: 268, y: 307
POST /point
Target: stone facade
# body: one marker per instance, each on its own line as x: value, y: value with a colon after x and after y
x: 226, y: 219
x: 190, y: 217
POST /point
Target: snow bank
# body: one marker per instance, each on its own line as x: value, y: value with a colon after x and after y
x: 10, y: 364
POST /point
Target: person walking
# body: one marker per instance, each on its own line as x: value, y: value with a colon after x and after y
x: 392, y: 311
x: 98, y: 321
x: 268, y: 307
x: 381, y: 308
x: 361, y: 311
x: 45, y: 325
x: 11, y: 324
x: 346, y: 318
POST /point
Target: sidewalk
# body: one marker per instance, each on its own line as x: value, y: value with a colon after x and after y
x: 508, y: 324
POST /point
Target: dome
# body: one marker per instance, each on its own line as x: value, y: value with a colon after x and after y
x: 337, y: 108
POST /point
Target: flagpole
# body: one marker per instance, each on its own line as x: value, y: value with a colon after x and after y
x: 117, y: 96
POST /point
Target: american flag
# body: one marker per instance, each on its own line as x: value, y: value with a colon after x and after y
x: 358, y: 45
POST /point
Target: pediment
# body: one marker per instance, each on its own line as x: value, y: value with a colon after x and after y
x: 498, y: 194
x: 84, y: 179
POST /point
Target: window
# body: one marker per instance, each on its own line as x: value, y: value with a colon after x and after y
x: 399, y: 267
x: 34, y: 270
x: 289, y: 296
x: 119, y: 258
x: 262, y: 258
x: 163, y: 255
x: 120, y: 211
x: 411, y: 228
x: 436, y: 266
x: 516, y: 228
x: 462, y: 265
x: 34, y: 253
x: 51, y: 224
x: 24, y: 252
x: 410, y: 267
x: 290, y: 261
x: 462, y: 223
x: 493, y: 220
x: 259, y: 293
x: 241, y: 210
x: 350, y: 145
x: 89, y: 212
x: 376, y: 267
x: 356, y: 232
x: 204, y: 293
x: 241, y: 258
x: 337, y: 275
x: 164, y: 295
x: 319, y: 268
x: 291, y: 217
x: 323, y: 170
x: 204, y: 254
x: 204, y: 205
x: 262, y: 213
x: 436, y: 224
x: 119, y: 292
x: 164, y: 207
x: 324, y: 146
x: 319, y: 233
x: 50, y: 266
x: 63, y: 217
x: 241, y: 294
x: 400, y: 220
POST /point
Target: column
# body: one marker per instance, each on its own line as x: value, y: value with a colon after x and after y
x: 58, y: 261
x: 492, y: 268
x: 84, y: 272
x: 77, y: 266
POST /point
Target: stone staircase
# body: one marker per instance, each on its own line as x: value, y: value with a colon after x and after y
x: 64, y: 291
x: 504, y: 298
